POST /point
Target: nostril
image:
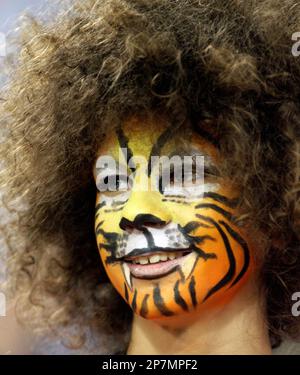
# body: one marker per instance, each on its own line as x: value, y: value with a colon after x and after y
x: 154, y: 225
x: 149, y: 220
x: 141, y: 221
x: 126, y: 224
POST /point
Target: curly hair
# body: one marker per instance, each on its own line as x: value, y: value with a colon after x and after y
x: 77, y: 73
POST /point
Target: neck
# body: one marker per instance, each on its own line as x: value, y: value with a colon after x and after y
x: 236, y: 328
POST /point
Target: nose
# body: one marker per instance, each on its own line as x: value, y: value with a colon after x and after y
x: 142, y: 220
x: 144, y: 209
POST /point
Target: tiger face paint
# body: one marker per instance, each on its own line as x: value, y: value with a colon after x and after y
x: 169, y: 254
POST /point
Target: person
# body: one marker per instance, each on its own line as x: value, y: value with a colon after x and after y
x: 179, y: 268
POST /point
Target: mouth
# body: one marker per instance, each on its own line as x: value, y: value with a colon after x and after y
x: 156, y: 264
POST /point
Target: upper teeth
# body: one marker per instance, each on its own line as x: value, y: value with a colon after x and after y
x: 156, y: 258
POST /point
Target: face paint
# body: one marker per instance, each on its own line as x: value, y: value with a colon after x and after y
x: 169, y: 252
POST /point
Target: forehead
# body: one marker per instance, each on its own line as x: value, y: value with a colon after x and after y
x: 156, y: 136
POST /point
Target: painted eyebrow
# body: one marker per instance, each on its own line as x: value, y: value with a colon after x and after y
x: 160, y: 142
x: 208, y: 137
x: 204, y: 133
x: 123, y: 142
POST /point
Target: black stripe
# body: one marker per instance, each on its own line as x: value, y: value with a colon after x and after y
x: 231, y: 270
x: 244, y: 246
x: 99, y: 225
x: 114, y: 210
x: 118, y: 203
x: 109, y: 236
x: 99, y: 206
x: 174, y: 196
x: 108, y: 247
x: 178, y: 299
x: 133, y: 304
x: 161, y: 141
x: 200, y: 239
x: 144, y: 308
x: 196, y: 125
x: 149, y: 237
x: 189, y: 227
x: 232, y: 203
x: 223, y: 212
x: 123, y: 142
x: 203, y: 254
x: 159, y: 302
x: 192, y: 225
x: 176, y: 201
x: 192, y: 291
x: 110, y: 259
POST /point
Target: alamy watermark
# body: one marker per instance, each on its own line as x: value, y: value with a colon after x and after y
x: 296, y: 305
x: 175, y: 171
x: 296, y: 45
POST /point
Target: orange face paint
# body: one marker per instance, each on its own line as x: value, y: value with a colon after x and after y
x: 169, y: 254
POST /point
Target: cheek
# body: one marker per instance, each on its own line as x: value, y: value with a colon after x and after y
x: 214, y: 279
x: 233, y: 262
x: 109, y: 211
x: 210, y: 272
x: 107, y: 218
x: 182, y: 212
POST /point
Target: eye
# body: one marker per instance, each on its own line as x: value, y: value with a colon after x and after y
x: 122, y: 182
x: 180, y: 178
x: 176, y: 177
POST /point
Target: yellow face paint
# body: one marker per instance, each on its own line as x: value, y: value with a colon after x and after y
x: 169, y: 254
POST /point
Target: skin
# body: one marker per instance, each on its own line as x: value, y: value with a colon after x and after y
x: 237, y: 327
x: 220, y: 262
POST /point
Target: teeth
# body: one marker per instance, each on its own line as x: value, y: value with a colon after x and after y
x: 127, y: 275
x: 157, y: 258
x: 143, y: 260
x: 188, y: 266
x: 154, y: 259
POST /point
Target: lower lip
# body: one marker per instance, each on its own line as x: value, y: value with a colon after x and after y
x: 151, y: 270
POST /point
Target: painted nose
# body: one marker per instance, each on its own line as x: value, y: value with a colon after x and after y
x: 142, y: 220
x: 144, y: 209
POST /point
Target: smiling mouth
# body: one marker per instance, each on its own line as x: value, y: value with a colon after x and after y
x: 153, y: 265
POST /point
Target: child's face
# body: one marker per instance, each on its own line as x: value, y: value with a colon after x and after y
x: 176, y: 249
